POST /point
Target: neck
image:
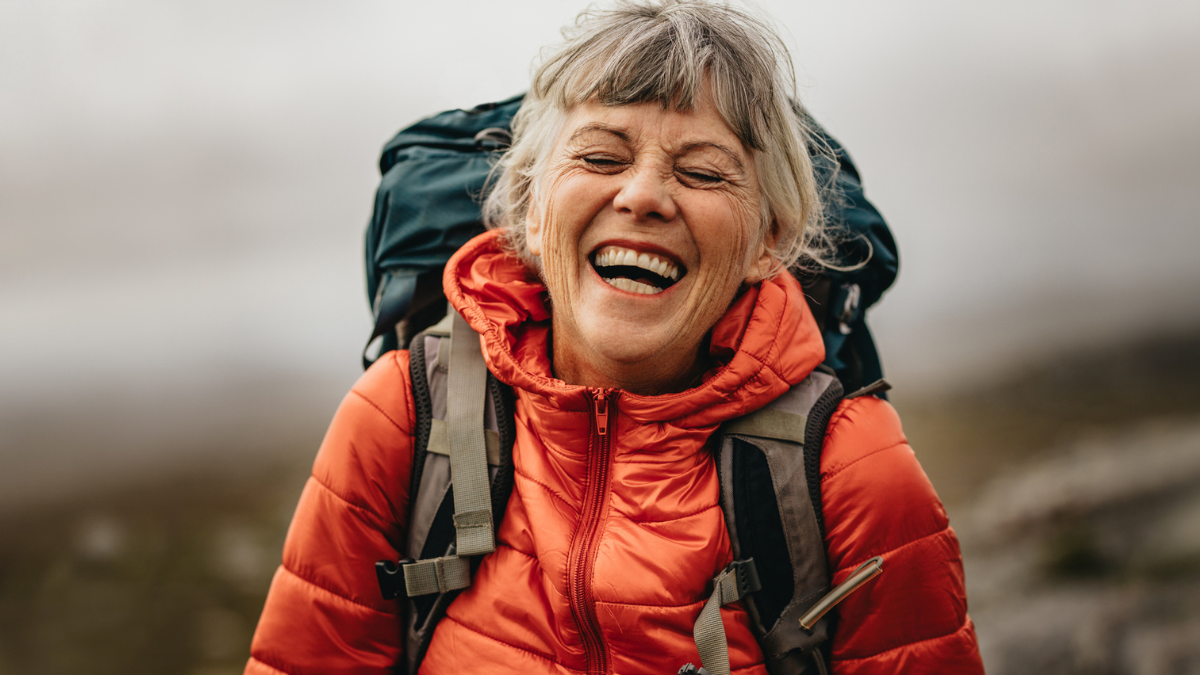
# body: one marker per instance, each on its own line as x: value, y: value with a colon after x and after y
x: 663, y: 374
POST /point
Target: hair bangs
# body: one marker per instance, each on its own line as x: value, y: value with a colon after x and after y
x: 647, y: 64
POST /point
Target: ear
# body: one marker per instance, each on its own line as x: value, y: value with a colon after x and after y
x: 763, y: 260
x: 533, y: 231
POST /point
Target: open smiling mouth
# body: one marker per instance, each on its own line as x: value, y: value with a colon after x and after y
x: 629, y: 270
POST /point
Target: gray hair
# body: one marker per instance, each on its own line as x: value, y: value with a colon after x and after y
x: 672, y: 52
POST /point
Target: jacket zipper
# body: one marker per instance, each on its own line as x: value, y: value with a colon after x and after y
x: 586, y: 540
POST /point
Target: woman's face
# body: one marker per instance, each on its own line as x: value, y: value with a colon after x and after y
x: 647, y: 224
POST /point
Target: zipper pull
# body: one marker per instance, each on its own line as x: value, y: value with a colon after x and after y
x: 601, y: 413
x: 865, y: 572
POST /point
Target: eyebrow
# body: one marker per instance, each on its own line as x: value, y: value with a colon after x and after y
x: 599, y: 126
x: 717, y: 146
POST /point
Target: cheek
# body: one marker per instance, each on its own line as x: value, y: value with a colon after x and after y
x: 731, y: 236
x: 560, y: 233
x: 543, y: 216
x: 557, y: 236
x: 567, y: 214
x: 749, y: 237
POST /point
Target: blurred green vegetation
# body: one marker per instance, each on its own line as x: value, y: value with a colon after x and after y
x: 167, y: 578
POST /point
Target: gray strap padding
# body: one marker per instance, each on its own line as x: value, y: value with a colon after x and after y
x: 423, y: 507
x: 775, y: 434
x: 436, y: 575
x: 439, y: 441
x: 709, y: 632
x: 466, y: 397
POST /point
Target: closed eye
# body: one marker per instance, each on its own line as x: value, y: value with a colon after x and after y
x: 603, y: 163
x: 700, y: 177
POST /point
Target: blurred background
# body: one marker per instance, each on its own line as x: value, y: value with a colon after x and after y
x: 184, y: 188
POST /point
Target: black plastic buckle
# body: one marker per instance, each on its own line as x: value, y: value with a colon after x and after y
x: 747, y: 576
x: 391, y: 578
x: 691, y: 669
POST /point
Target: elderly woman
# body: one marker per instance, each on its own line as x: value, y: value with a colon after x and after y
x: 633, y: 292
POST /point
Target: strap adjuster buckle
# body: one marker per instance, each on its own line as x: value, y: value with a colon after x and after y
x: 746, y: 575
x: 391, y: 578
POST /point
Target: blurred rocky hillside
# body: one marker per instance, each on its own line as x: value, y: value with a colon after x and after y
x: 1075, y: 489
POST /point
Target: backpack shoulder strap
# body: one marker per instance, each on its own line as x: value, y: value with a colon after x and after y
x: 768, y: 463
x: 481, y: 408
x: 466, y: 398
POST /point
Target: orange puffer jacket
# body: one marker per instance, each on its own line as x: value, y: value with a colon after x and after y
x: 609, y: 542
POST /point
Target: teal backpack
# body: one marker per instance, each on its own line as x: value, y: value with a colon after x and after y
x: 427, y: 206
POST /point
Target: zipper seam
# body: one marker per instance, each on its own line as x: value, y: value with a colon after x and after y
x: 583, y: 598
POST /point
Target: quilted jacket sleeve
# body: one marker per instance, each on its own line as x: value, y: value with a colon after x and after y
x: 877, y: 501
x: 324, y: 612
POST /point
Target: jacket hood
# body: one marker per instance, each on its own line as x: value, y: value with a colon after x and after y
x: 766, y: 342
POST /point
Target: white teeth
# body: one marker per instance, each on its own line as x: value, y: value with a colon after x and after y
x: 611, y: 256
x: 633, y: 286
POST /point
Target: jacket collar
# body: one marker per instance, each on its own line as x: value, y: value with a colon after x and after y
x: 766, y: 342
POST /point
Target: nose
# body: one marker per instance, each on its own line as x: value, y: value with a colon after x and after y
x: 646, y: 196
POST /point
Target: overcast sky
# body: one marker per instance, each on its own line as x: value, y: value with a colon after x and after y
x: 184, y: 186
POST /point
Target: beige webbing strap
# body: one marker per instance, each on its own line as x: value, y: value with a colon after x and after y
x: 466, y: 392
x: 769, y: 423
x: 708, y: 631
x: 436, y: 575
x: 439, y: 441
